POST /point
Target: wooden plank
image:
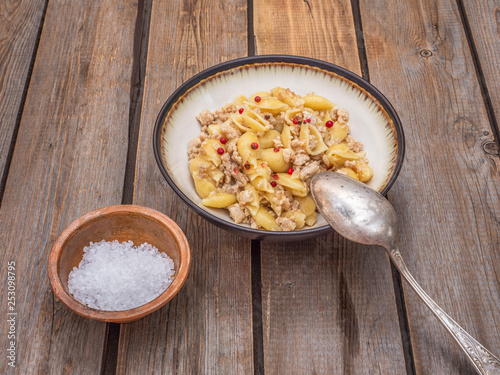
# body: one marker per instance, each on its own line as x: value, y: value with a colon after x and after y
x: 207, y: 327
x: 69, y: 159
x: 322, y: 29
x: 448, y: 195
x: 484, y: 21
x: 328, y: 304
x: 19, y: 25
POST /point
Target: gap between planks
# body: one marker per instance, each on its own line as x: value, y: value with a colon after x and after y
x: 257, y: 322
x: 256, y: 271
x: 10, y: 153
x: 396, y: 277
x: 360, y: 40
x: 403, y: 321
x: 140, y: 51
x: 479, y: 73
x: 141, y: 37
x: 250, y: 29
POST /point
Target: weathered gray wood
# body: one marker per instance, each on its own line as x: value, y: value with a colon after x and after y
x: 484, y: 21
x: 328, y: 304
x: 207, y: 327
x: 328, y: 308
x: 19, y: 25
x: 322, y: 29
x: 69, y: 159
x: 448, y: 195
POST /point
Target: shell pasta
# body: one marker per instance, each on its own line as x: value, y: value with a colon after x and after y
x: 256, y: 156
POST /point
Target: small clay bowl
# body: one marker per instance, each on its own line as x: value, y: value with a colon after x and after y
x: 123, y: 223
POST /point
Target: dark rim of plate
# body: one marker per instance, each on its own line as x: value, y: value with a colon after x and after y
x: 306, y: 61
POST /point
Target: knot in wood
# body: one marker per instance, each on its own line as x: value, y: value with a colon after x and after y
x: 490, y: 148
x: 425, y: 53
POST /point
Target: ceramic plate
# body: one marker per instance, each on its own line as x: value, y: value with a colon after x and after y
x: 372, y: 119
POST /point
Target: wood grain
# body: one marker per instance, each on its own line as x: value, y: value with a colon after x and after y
x: 328, y: 304
x: 322, y: 29
x: 69, y: 159
x: 448, y: 195
x: 484, y: 22
x: 19, y: 26
x: 207, y: 327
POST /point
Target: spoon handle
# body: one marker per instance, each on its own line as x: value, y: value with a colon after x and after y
x: 483, y: 360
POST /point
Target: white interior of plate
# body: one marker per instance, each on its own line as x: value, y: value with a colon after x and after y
x: 367, y: 121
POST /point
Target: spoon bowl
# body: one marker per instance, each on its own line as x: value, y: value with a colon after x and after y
x: 362, y: 215
x: 354, y: 210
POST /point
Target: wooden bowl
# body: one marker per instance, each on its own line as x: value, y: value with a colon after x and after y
x: 122, y: 223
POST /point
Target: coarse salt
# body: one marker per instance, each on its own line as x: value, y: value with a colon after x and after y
x: 114, y: 276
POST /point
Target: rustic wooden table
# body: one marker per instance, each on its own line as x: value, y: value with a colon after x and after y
x: 81, y: 83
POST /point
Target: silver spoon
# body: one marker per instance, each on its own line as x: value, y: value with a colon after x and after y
x: 362, y: 215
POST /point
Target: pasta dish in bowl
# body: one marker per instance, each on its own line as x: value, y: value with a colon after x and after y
x: 256, y: 156
x: 240, y: 142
